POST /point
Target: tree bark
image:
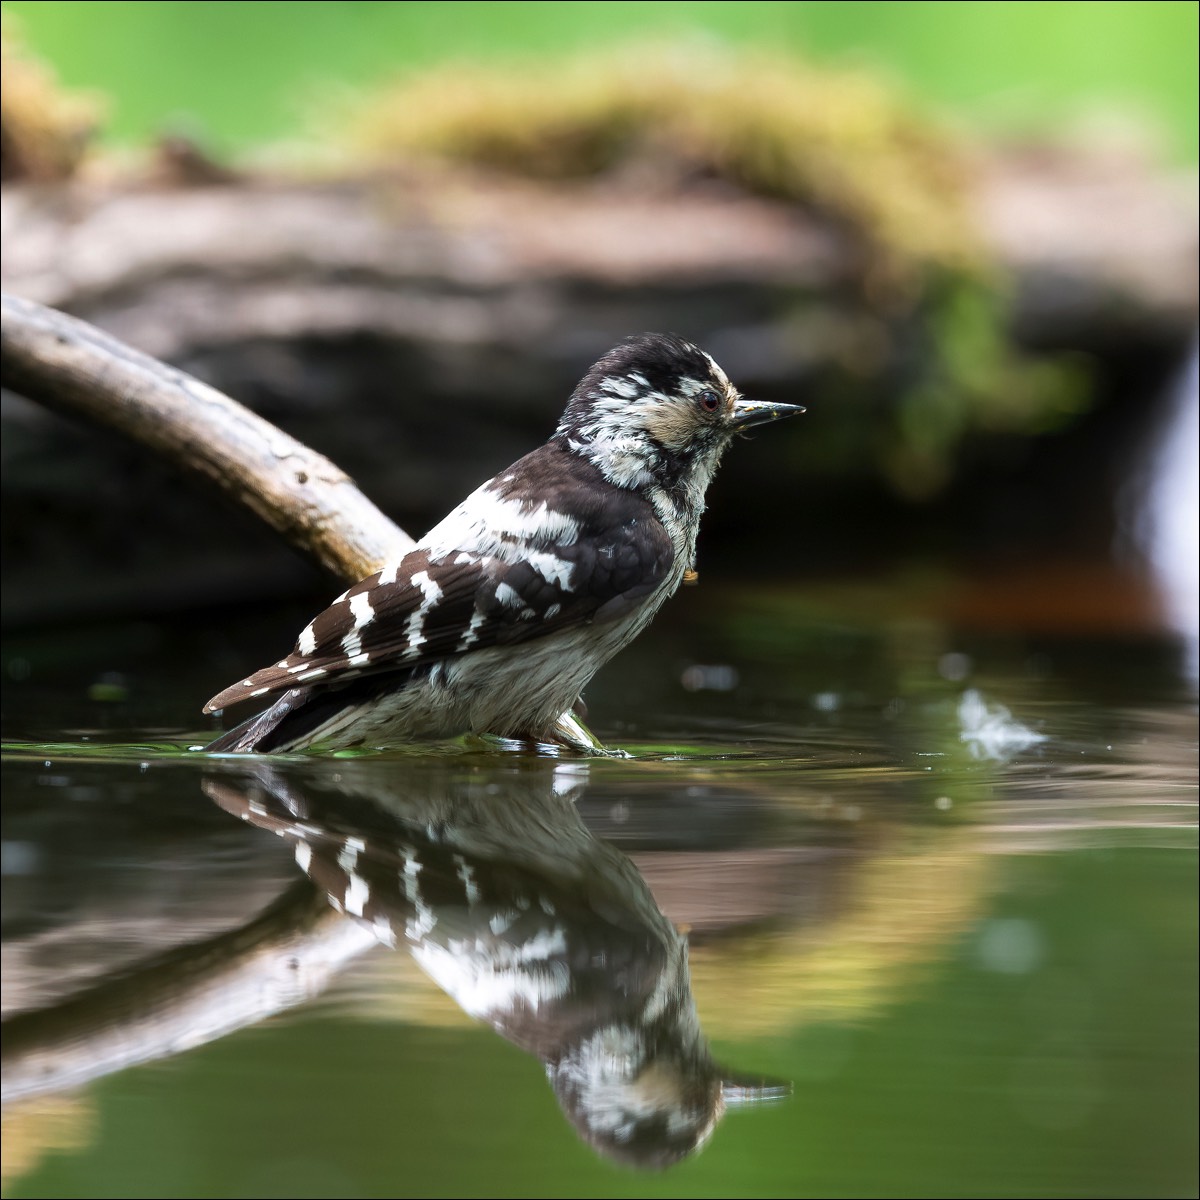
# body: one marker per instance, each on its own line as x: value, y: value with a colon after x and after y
x: 75, y: 369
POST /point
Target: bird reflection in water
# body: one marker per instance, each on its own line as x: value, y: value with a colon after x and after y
x: 529, y: 923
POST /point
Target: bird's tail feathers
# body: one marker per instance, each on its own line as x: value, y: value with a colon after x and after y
x: 265, y: 732
x: 307, y: 716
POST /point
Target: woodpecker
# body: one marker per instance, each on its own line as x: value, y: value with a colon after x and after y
x: 501, y: 614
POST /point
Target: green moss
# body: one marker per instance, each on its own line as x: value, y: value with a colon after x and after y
x: 843, y: 141
x: 844, y: 144
x: 44, y: 130
x: 972, y: 381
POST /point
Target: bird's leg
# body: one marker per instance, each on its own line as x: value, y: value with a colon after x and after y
x: 570, y: 731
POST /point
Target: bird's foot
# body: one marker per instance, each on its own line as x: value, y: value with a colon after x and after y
x: 571, y: 733
x: 568, y: 733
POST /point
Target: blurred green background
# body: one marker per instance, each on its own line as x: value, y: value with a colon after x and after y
x: 243, y: 73
x: 1075, y: 1076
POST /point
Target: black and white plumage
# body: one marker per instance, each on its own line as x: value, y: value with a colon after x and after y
x: 530, y: 923
x: 501, y: 614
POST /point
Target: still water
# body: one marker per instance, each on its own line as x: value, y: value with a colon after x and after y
x: 895, y: 894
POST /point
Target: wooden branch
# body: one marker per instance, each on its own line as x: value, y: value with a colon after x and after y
x: 72, y: 367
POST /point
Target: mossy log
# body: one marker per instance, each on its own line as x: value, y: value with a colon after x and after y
x: 422, y: 329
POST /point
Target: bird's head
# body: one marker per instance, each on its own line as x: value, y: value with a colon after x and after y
x: 657, y: 410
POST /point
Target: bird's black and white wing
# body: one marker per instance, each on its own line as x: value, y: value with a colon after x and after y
x: 500, y: 570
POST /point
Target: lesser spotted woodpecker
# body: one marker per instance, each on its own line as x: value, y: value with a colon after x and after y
x: 503, y: 612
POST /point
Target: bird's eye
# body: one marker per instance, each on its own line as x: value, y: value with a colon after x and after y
x: 709, y: 400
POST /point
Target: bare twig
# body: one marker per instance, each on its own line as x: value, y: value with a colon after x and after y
x: 75, y: 369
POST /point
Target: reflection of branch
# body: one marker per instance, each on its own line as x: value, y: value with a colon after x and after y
x: 184, y: 998
x: 74, y: 368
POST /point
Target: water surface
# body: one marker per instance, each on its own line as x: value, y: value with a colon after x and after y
x: 892, y: 896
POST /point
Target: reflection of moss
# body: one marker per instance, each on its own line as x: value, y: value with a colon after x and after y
x: 43, y: 1125
x: 905, y: 910
x: 43, y: 130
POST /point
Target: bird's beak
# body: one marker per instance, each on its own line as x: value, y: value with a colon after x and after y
x: 743, y: 1091
x: 748, y: 413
